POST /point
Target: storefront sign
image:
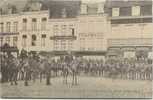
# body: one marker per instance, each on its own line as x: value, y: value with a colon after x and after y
x: 129, y: 54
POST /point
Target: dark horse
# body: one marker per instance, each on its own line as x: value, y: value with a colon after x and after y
x: 45, y: 69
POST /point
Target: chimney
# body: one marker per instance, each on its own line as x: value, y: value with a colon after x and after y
x: 100, y: 8
x: 83, y: 8
x: 64, y: 14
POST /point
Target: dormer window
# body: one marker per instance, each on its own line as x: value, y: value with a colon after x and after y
x: 115, y: 12
x: 92, y: 9
x: 135, y: 10
x: 146, y: 10
x: 83, y: 9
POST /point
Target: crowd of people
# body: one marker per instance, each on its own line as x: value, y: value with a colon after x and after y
x: 32, y: 67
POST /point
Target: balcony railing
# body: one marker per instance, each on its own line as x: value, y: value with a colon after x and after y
x: 63, y: 37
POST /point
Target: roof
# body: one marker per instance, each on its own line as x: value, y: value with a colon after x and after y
x: 56, y: 7
x: 122, y: 3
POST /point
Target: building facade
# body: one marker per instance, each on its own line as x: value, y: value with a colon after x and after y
x: 63, y: 37
x: 131, y: 28
x: 111, y: 28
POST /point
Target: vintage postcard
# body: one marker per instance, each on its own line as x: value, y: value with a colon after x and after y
x: 58, y: 49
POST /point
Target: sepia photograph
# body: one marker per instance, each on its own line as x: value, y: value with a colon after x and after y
x: 76, y: 49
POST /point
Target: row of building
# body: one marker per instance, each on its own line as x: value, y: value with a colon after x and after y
x: 110, y: 28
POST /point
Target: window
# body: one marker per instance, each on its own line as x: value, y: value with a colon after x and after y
x: 73, y: 32
x: 115, y: 11
x: 57, y: 45
x: 43, y: 24
x: 146, y: 10
x: 24, y: 41
x: 92, y: 10
x: 8, y: 26
x: 15, y: 26
x: 34, y: 24
x: 83, y: 8
x: 55, y: 29
x: 82, y: 43
x: 8, y: 40
x: 63, y: 29
x: 1, y: 27
x: 34, y: 38
x: 63, y: 45
x: 43, y: 37
x: 70, y: 45
x: 71, y: 28
x: 24, y: 24
x: 135, y: 10
x: 125, y: 11
x: 1, y: 41
x: 15, y: 39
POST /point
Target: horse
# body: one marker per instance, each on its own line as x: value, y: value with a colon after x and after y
x: 13, y: 70
x: 65, y: 71
x: 34, y: 64
x: 41, y: 69
x: 74, y: 67
x: 45, y: 69
x: 27, y: 71
x: 4, y: 70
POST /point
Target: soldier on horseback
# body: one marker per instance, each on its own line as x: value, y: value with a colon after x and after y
x: 12, y: 69
x: 26, y: 67
x: 65, y: 70
x: 47, y: 71
x: 74, y: 68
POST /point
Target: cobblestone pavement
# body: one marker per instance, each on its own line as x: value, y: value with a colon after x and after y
x: 88, y: 87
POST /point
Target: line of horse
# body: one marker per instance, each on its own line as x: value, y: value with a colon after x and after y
x: 29, y: 68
